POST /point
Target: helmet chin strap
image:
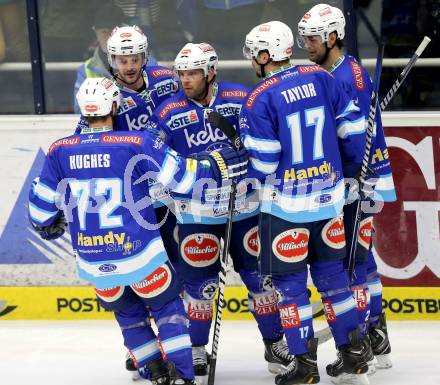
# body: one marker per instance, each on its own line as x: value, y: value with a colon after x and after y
x: 325, y: 57
x: 206, y: 89
x: 262, y: 70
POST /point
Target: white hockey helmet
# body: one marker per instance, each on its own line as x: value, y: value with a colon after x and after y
x: 321, y: 20
x: 96, y: 96
x: 274, y: 37
x: 126, y: 41
x: 196, y: 56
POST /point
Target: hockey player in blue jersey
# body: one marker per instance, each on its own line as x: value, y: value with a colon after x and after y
x: 296, y: 123
x: 321, y: 32
x: 98, y: 181
x: 182, y: 121
x: 143, y: 88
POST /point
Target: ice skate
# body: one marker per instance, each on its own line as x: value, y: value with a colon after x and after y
x: 351, y: 366
x: 380, y: 343
x: 277, y: 355
x: 200, y: 360
x: 303, y: 369
x: 131, y: 368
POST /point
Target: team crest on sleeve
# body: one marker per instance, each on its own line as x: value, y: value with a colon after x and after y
x: 291, y: 245
x: 365, y: 231
x: 111, y: 294
x: 333, y: 233
x: 155, y: 284
x: 251, y: 241
x: 200, y: 250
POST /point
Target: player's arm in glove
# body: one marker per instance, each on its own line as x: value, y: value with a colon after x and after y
x: 53, y: 231
x: 226, y: 163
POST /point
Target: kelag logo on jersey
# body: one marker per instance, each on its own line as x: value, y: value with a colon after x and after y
x: 203, y: 136
x: 229, y: 109
x: 138, y: 123
x: 182, y: 120
x: 28, y: 247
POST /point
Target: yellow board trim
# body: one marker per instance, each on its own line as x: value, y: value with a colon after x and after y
x: 79, y: 303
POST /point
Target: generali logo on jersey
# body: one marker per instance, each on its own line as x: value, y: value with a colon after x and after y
x: 262, y: 87
x: 155, y: 284
x: 358, y: 76
x: 291, y: 245
x: 64, y: 142
x: 200, y: 250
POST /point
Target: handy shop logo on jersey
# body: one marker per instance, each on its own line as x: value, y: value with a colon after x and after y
x: 182, y: 120
x: 110, y: 238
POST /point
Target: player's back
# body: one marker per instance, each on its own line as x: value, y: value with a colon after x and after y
x: 295, y: 120
x: 114, y: 237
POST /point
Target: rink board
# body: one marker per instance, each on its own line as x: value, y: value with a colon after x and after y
x: 79, y: 303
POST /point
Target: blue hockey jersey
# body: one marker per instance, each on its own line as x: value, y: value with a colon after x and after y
x: 296, y: 123
x: 137, y: 107
x: 357, y: 83
x: 99, y: 180
x: 184, y: 125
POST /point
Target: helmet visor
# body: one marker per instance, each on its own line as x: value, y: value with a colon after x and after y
x: 310, y: 40
x: 247, y: 52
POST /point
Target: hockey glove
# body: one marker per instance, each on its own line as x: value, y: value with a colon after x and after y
x: 367, y: 184
x: 226, y: 163
x: 53, y: 231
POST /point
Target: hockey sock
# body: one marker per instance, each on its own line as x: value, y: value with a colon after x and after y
x: 171, y: 321
x: 361, y: 296
x: 263, y: 304
x: 295, y: 310
x: 375, y: 289
x: 139, y: 337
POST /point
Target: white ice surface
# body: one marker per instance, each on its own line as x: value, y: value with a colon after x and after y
x: 91, y: 353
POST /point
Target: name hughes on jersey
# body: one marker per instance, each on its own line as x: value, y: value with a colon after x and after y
x: 303, y: 91
x: 89, y: 161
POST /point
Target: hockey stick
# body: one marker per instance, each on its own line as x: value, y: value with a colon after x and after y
x: 325, y: 334
x: 227, y: 128
x: 366, y: 158
x: 383, y: 104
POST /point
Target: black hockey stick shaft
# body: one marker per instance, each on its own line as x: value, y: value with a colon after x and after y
x: 228, y: 129
x: 366, y: 158
x: 383, y: 104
